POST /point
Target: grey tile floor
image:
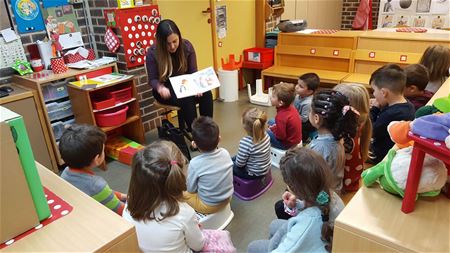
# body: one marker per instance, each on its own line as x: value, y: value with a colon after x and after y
x: 251, y: 218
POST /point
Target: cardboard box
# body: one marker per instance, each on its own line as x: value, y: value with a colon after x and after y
x: 17, y: 212
x: 23, y: 148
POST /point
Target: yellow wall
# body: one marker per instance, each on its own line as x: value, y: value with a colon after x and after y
x: 240, y: 28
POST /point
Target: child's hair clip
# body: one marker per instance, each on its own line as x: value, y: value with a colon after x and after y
x: 173, y: 162
x: 323, y: 198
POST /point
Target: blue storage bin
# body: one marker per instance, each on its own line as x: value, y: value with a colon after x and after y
x: 54, y: 91
x: 58, y: 127
x: 60, y: 110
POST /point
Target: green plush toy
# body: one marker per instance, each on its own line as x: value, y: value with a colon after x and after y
x: 392, y: 173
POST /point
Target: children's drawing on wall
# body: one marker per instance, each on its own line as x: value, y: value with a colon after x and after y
x: 388, y: 7
x: 438, y: 22
x: 60, y: 20
x: 419, y: 21
x: 405, y: 4
x: 387, y: 21
x: 28, y: 16
x: 402, y: 21
x: 192, y: 84
x: 423, y: 6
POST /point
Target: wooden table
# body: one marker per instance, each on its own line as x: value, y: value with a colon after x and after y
x: 373, y: 222
x: 90, y: 227
x: 444, y: 91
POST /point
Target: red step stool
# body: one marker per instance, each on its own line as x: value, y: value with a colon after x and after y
x: 421, y: 147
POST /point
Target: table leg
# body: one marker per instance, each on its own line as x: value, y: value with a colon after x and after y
x: 412, y: 183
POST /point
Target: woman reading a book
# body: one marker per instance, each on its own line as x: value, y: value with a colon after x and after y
x: 173, y: 56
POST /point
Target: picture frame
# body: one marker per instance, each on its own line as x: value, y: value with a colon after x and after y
x: 125, y: 4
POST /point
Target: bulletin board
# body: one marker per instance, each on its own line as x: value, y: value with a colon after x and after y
x: 138, y: 27
x: 414, y: 13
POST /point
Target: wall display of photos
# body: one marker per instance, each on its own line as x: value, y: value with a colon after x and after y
x: 414, y: 13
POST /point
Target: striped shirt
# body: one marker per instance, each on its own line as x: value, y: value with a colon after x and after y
x: 94, y: 186
x: 255, y: 157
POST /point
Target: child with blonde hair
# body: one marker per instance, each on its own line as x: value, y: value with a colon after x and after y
x: 437, y: 59
x: 357, y: 148
x: 156, y: 207
x: 311, y: 200
x: 253, y: 157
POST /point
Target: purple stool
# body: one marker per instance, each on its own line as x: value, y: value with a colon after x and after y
x: 246, y: 189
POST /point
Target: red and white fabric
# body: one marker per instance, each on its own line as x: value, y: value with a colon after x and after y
x: 73, y: 58
x: 58, y: 65
x: 411, y: 30
x: 111, y: 40
x: 325, y: 31
x: 363, y: 17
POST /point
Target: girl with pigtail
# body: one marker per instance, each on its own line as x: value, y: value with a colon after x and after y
x: 334, y: 119
x: 156, y: 207
x: 253, y: 157
x: 312, y: 202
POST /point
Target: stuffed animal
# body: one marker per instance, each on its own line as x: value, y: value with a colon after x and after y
x: 392, y: 172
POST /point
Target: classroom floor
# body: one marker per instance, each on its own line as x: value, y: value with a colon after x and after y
x: 251, y: 218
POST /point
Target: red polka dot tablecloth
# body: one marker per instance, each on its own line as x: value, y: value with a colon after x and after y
x: 325, y: 31
x: 411, y: 30
x: 58, y: 208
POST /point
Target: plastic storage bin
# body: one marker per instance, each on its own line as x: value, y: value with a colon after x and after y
x: 258, y: 57
x: 54, y: 91
x: 100, y: 104
x: 111, y: 117
x: 59, y: 110
x: 122, y: 95
x: 59, y: 126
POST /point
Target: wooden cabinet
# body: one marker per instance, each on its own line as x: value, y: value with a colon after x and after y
x: 25, y: 103
x: 84, y: 111
x: 57, y: 108
x: 263, y: 13
x: 325, y: 14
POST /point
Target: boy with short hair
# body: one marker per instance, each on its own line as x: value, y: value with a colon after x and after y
x: 210, y: 174
x: 306, y: 86
x: 82, y: 148
x: 417, y: 78
x: 286, y: 131
x: 388, y: 83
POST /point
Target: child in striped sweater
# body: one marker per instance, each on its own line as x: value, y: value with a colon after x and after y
x: 82, y: 148
x: 253, y: 158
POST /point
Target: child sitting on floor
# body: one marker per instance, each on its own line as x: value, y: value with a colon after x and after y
x: 156, y: 207
x: 306, y: 86
x: 416, y: 81
x: 210, y: 174
x: 357, y: 148
x: 311, y: 203
x: 388, y: 83
x: 253, y: 157
x: 82, y: 147
x: 286, y: 130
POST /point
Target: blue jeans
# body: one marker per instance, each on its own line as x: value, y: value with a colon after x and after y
x: 273, y: 140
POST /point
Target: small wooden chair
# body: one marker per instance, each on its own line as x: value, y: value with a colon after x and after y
x: 169, y: 109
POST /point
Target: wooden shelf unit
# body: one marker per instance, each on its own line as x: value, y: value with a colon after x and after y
x: 82, y: 108
x: 37, y: 85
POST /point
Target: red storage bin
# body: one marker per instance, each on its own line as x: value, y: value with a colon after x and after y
x: 122, y: 95
x: 111, y: 117
x: 100, y: 104
x: 257, y: 55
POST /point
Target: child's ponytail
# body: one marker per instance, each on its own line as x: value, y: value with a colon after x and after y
x: 323, y: 202
x: 336, y: 113
x: 254, y: 121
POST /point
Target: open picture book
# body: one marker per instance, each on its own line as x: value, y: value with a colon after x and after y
x: 192, y: 84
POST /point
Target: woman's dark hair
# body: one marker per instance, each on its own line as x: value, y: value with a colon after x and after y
x: 307, y: 174
x: 157, y: 177
x: 163, y: 56
x: 329, y: 105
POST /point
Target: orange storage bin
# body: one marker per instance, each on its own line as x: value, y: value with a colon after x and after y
x: 258, y: 57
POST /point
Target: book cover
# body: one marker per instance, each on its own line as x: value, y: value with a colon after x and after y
x: 192, y: 84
